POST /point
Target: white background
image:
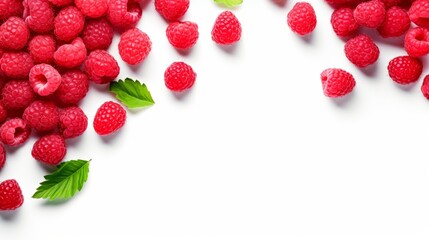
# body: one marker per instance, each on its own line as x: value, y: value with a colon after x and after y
x: 253, y: 151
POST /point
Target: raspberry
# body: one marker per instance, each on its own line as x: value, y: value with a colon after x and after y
x: 343, y: 22
x: 9, y: 8
x: 172, y: 10
x: 42, y: 116
x: 73, y: 88
x: 419, y: 13
x: 14, y: 132
x: 179, y: 76
x: 44, y: 79
x: 101, y: 67
x: 337, y: 82
x: 14, y: 34
x: 49, y: 149
x: 73, y: 122
x: 425, y: 87
x: 124, y: 13
x: 68, y: 23
x: 226, y: 29
x: 134, y: 46
x: 16, y: 64
x: 71, y: 55
x: 395, y: 24
x: 97, y: 34
x: 61, y: 3
x: 11, y: 196
x: 92, y: 8
x: 416, y: 42
x: 302, y: 18
x: 182, y: 35
x: 39, y: 15
x: 109, y: 118
x: 17, y: 94
x: 2, y: 156
x: 370, y: 14
x: 405, y: 69
x: 361, y: 51
x: 42, y: 48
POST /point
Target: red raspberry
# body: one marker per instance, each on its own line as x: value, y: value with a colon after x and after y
x: 343, y: 3
x: 11, y: 196
x: 9, y: 8
x: 3, y: 112
x: 97, y: 34
x: 42, y: 48
x: 405, y: 69
x: 226, y: 29
x: 71, y: 55
x: 44, y: 79
x: 17, y: 94
x: 42, y: 116
x: 14, y: 34
x: 92, y: 8
x: 417, y: 42
x: 302, y: 18
x: 361, y: 51
x: 73, y: 88
x: 2, y: 156
x: 343, y: 22
x: 172, y: 10
x: 182, y: 35
x: 179, y: 76
x: 61, y: 3
x: 134, y: 46
x: 370, y: 14
x: 49, y: 149
x: 101, y: 67
x: 124, y: 13
x: 39, y: 15
x: 425, y: 87
x: 68, y: 23
x: 337, y: 82
x: 14, y: 132
x: 16, y: 64
x: 419, y: 13
x: 109, y: 118
x: 73, y: 122
x: 395, y: 24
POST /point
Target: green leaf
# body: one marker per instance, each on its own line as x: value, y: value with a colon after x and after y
x: 230, y: 3
x: 132, y: 93
x: 65, y: 182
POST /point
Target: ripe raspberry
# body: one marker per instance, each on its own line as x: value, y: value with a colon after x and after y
x: 16, y: 64
x: 124, y: 13
x: 302, y: 18
x: 97, y: 34
x: 73, y: 122
x: 395, y: 24
x: 61, y: 3
x: 226, y: 29
x: 2, y: 156
x: 425, y: 87
x: 172, y: 10
x: 405, y: 69
x: 44, y: 79
x: 42, y: 116
x: 14, y: 132
x: 42, y: 48
x: 179, y: 76
x: 134, y: 46
x: 73, y: 88
x: 361, y: 51
x: 109, y: 118
x: 343, y: 22
x: 71, y: 55
x: 337, y: 82
x: 419, y: 13
x: 17, y: 94
x: 14, y: 34
x: 101, y: 67
x: 39, y: 15
x: 11, y: 196
x: 416, y: 42
x: 92, y: 8
x: 68, y: 23
x: 182, y: 35
x: 370, y: 14
x: 49, y: 149
x: 9, y: 8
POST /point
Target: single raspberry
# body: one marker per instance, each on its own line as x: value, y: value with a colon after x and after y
x: 44, y: 79
x: 179, y: 76
x: 92, y: 8
x: 182, y: 35
x: 405, y: 69
x: 11, y: 196
x: 17, y: 94
x: 419, y: 13
x: 14, y: 132
x: 73, y: 88
x: 49, y: 149
x: 9, y: 8
x: 73, y: 122
x: 226, y: 29
x: 101, y: 67
x: 42, y: 116
x: 416, y: 42
x: 124, y: 13
x: 68, y: 23
x: 172, y: 10
x: 3, y: 112
x: 39, y: 15
x: 302, y: 18
x: 425, y: 87
x: 42, y: 48
x: 343, y: 3
x: 337, y: 82
x: 370, y: 14
x: 134, y: 46
x: 61, y: 3
x: 14, y: 34
x: 395, y: 24
x: 2, y: 156
x: 71, y: 55
x: 97, y: 34
x: 361, y: 51
x: 109, y: 118
x: 16, y: 64
x: 343, y: 22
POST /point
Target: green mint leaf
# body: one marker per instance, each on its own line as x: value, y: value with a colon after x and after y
x: 229, y: 3
x: 65, y: 182
x: 132, y: 93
